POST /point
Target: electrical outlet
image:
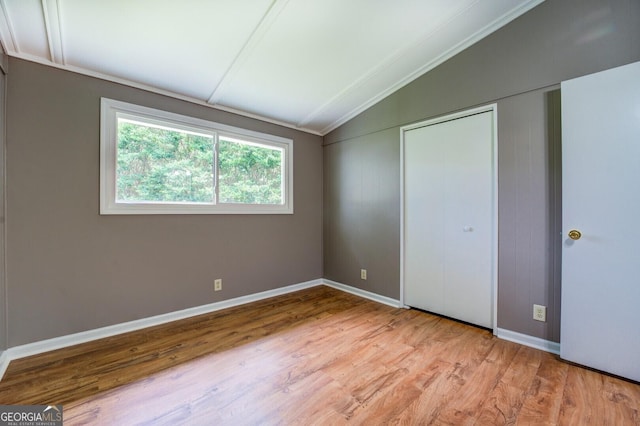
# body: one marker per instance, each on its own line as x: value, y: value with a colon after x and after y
x: 540, y: 313
x: 217, y: 285
x: 363, y: 274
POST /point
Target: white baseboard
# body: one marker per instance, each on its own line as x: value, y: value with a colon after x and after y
x: 4, y: 363
x: 35, y: 348
x: 524, y: 339
x: 42, y: 346
x: 363, y: 293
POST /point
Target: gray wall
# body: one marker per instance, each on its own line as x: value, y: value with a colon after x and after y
x: 70, y: 269
x: 529, y: 212
x: 361, y: 212
x: 519, y: 67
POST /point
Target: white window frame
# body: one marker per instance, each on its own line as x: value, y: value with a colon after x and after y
x: 112, y: 109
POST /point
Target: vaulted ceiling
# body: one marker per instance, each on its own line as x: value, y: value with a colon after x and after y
x: 307, y: 64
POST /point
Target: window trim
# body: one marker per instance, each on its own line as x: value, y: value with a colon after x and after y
x: 109, y: 111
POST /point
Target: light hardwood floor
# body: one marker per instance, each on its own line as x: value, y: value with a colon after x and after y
x: 317, y: 357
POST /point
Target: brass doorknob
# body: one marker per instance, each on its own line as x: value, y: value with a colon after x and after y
x: 574, y: 234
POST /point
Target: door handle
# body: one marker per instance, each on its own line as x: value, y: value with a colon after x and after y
x: 574, y: 234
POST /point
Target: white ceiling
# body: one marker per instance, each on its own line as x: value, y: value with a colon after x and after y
x: 307, y: 64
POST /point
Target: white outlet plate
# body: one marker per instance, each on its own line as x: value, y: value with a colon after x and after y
x: 217, y: 285
x: 363, y: 274
x: 540, y: 313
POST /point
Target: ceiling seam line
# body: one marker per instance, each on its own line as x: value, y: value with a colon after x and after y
x: 493, y: 26
x: 386, y: 62
x: 277, y: 6
x: 51, y: 20
x: 9, y: 28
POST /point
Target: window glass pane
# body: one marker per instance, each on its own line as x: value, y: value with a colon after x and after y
x: 156, y: 163
x: 249, y: 173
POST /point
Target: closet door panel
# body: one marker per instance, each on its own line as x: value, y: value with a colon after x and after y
x: 448, y: 218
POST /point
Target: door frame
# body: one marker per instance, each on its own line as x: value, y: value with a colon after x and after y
x: 494, y: 191
x: 4, y: 302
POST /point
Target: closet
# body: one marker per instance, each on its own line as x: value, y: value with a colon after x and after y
x: 449, y: 216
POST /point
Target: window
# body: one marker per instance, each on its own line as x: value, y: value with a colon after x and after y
x: 156, y: 162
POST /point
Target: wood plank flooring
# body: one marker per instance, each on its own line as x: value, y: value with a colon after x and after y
x: 317, y: 357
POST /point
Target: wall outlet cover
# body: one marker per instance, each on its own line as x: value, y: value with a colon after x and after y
x: 540, y: 313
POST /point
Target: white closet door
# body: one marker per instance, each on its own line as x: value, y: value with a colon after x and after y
x: 449, y: 218
x: 600, y: 320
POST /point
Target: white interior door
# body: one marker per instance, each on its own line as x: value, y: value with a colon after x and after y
x: 600, y: 321
x: 448, y: 217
